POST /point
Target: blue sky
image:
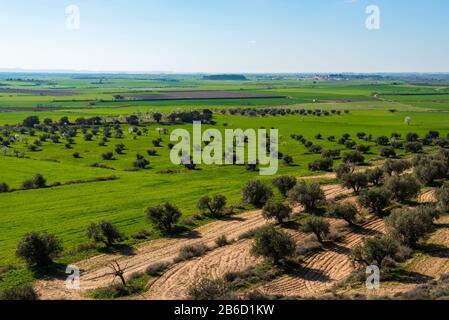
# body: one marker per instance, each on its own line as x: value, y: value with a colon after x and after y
x: 226, y: 36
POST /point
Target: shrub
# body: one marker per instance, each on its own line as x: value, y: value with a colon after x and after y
x: 39, y: 249
x: 307, y: 195
x: 141, y: 162
x: 284, y: 184
x: 273, y: 245
x: 163, y: 216
x: 104, y: 232
x: 276, y: 210
x: 345, y: 211
x: 318, y: 226
x: 152, y: 152
x: 76, y: 155
x: 4, y: 187
x: 256, y: 193
x: 288, y: 160
x: 382, y: 141
x: 39, y: 181
x: 141, y: 235
x: 324, y: 164
x: 108, y: 156
x: 356, y: 181
x: 413, y: 147
x: 222, y: 241
x: 191, y: 251
x: 363, y: 148
x: 335, y: 153
x: 22, y: 293
x: 375, y: 250
x: 119, y: 148
x: 403, y: 187
x: 28, y: 184
x: 214, y: 205
x: 429, y: 169
x: 156, y: 269
x: 388, y: 152
x: 31, y: 121
x: 376, y: 200
x: 207, y: 290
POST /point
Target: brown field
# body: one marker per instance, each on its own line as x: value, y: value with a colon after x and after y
x: 200, y: 95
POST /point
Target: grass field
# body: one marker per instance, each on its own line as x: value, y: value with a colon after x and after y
x: 66, y: 210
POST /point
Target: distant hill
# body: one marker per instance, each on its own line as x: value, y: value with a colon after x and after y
x: 226, y: 77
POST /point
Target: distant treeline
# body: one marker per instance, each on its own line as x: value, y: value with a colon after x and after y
x: 222, y: 77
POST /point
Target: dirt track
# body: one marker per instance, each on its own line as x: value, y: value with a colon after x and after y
x: 95, y: 272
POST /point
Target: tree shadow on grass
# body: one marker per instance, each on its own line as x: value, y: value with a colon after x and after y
x: 53, y: 271
x: 123, y: 249
x: 404, y: 276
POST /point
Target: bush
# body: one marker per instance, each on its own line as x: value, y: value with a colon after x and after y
x: 163, y: 216
x: 307, y: 195
x: 104, y: 232
x: 413, y: 147
x: 76, y: 155
x: 375, y: 250
x: 376, y: 200
x: 39, y: 181
x: 356, y: 181
x: 39, y: 249
x: 4, y: 187
x: 152, y: 152
x: 156, y: 269
x: 318, y: 226
x: 141, y: 162
x: 346, y: 211
x: 222, y: 241
x: 256, y: 193
x: 108, y: 156
x: 403, y: 187
x: 191, y: 251
x: 284, y: 184
x: 382, y: 141
x: 388, y: 152
x: 273, y: 245
x: 214, y: 205
x: 288, y: 160
x: 363, y: 148
x: 276, y: 210
x: 207, y: 290
x: 411, y: 224
x: 22, y: 293
x: 28, y: 184
x: 324, y: 164
x: 31, y: 121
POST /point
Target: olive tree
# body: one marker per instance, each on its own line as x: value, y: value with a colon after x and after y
x: 276, y: 210
x: 346, y: 211
x: 403, y: 187
x: 318, y: 226
x: 163, y: 216
x: 104, y: 232
x: 375, y: 250
x: 273, y: 245
x: 375, y: 200
x: 308, y: 195
x: 256, y: 193
x: 284, y: 184
x: 39, y: 249
x: 214, y: 205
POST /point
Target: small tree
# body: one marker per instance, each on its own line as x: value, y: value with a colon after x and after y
x: 376, y: 200
x: 31, y: 121
x: 442, y: 196
x: 396, y: 166
x: 375, y: 250
x: 324, y: 164
x: 163, y: 216
x: 375, y: 176
x: 288, y: 160
x: 141, y: 162
x: 318, y: 226
x: 158, y: 117
x: 413, y: 147
x: 388, y: 152
x: 276, y: 210
x: 104, y: 232
x: 214, y: 205
x: 307, y: 195
x: 346, y: 211
x: 39, y: 249
x: 356, y: 181
x: 39, y: 181
x: 4, y: 187
x: 342, y: 169
x: 273, y: 245
x: 353, y: 157
x: 256, y: 193
x: 284, y: 184
x: 403, y: 187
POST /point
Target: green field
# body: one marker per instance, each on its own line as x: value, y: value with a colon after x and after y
x: 66, y: 210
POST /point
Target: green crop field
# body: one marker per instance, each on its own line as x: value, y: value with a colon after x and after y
x: 77, y: 194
